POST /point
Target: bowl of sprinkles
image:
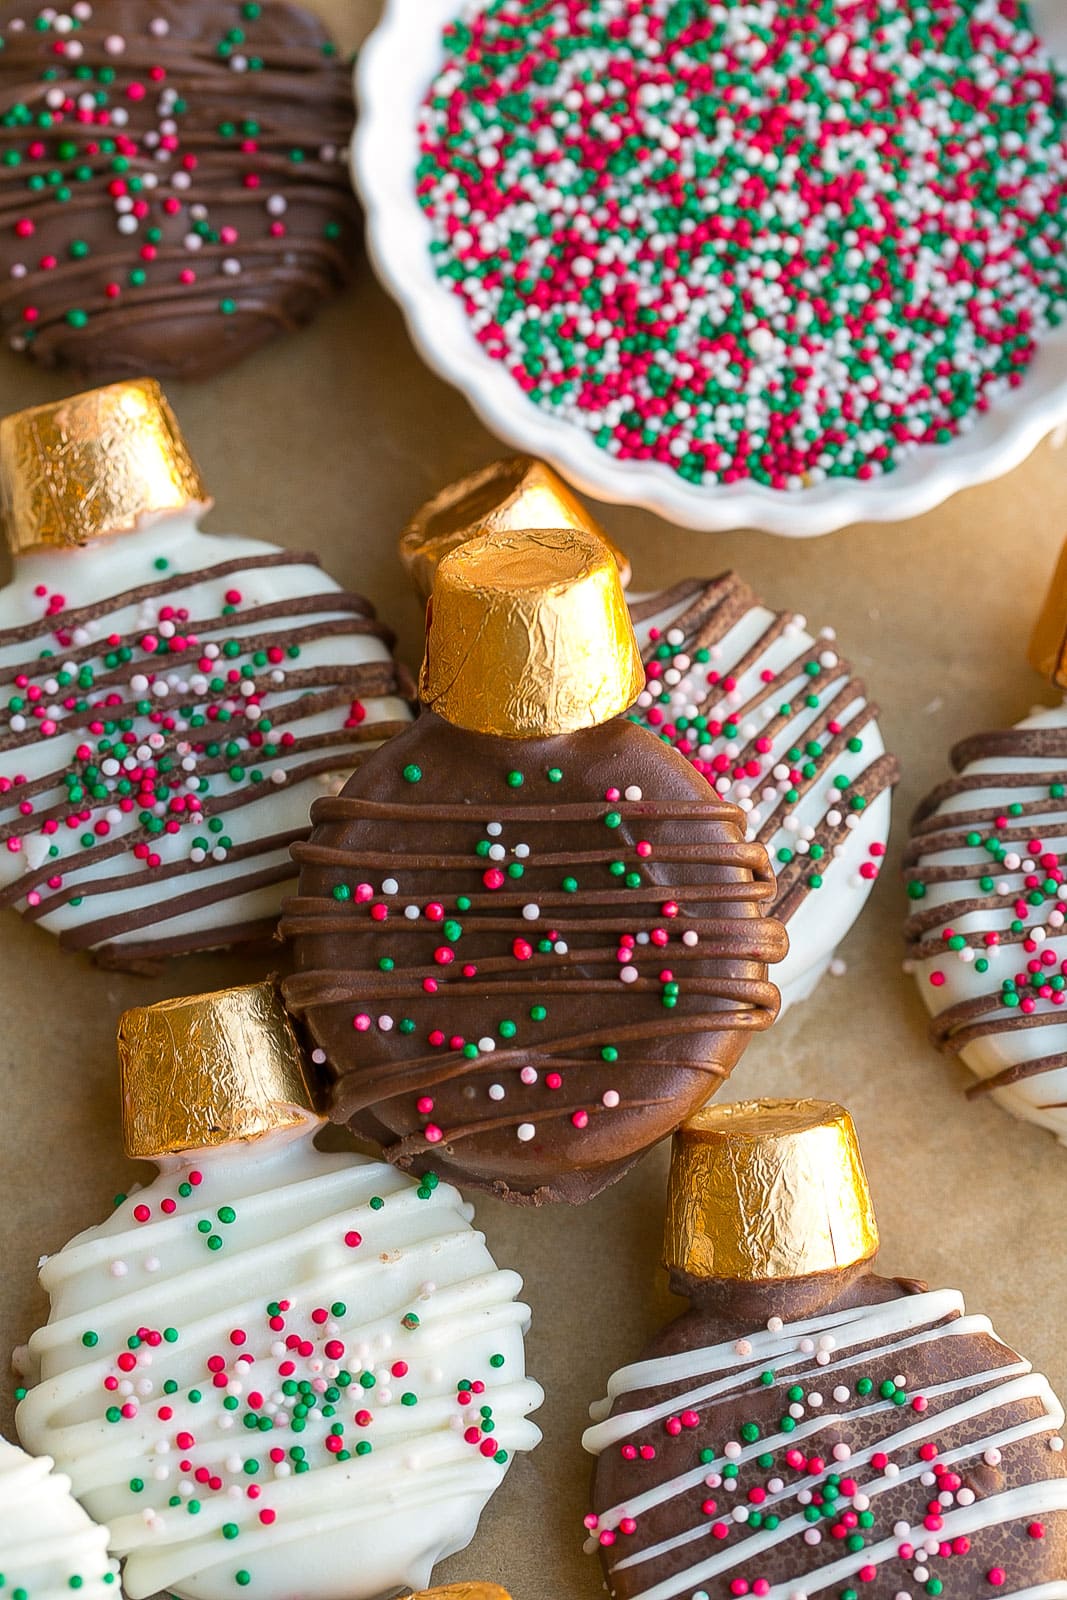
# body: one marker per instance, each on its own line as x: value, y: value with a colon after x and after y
x: 787, y: 264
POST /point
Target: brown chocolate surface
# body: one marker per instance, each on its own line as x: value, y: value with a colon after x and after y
x: 432, y: 1027
x: 790, y: 1472
x: 174, y: 185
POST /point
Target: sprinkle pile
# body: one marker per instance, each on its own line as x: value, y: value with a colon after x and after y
x: 172, y: 180
x: 747, y: 240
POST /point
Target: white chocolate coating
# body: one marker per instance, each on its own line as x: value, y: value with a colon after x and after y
x: 46, y: 1539
x: 817, y: 1355
x: 764, y: 654
x: 301, y: 1228
x: 282, y: 691
x: 1027, y: 1042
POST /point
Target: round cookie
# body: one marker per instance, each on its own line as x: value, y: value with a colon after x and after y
x: 775, y: 720
x: 986, y: 940
x: 48, y: 1546
x: 528, y: 937
x: 174, y: 190
x: 807, y: 1430
x: 173, y: 700
x: 272, y: 1369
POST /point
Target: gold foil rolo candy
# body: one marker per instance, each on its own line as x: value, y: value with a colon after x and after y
x: 463, y: 1591
x: 209, y: 1069
x: 768, y: 1189
x: 529, y: 636
x: 507, y: 496
x: 92, y: 465
x: 1048, y: 645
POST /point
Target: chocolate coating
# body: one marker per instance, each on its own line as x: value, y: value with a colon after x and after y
x: 800, y: 1514
x: 204, y: 207
x: 557, y: 898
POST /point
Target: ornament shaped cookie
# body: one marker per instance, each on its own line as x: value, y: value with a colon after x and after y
x: 48, y: 1545
x: 528, y: 938
x: 807, y: 1430
x: 272, y: 1369
x: 173, y: 701
x: 772, y: 715
x: 175, y: 191
x: 985, y: 876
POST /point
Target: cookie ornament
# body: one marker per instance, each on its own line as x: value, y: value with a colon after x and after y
x: 529, y: 939
x: 985, y: 875
x: 171, y: 700
x: 272, y: 1368
x: 48, y: 1545
x: 769, y: 712
x: 174, y: 187
x: 806, y: 1429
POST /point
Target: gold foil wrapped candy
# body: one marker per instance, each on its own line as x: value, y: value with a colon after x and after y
x: 463, y: 1591
x: 209, y: 1069
x: 95, y: 464
x: 508, y: 496
x: 529, y: 636
x: 768, y: 1189
x: 1048, y: 647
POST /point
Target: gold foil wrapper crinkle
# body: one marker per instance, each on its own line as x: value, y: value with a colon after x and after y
x: 93, y: 465
x: 768, y: 1189
x: 463, y: 1591
x: 529, y: 636
x: 1048, y: 646
x: 508, y: 496
x: 208, y: 1070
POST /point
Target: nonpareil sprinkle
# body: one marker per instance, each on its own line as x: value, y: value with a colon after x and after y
x: 781, y: 243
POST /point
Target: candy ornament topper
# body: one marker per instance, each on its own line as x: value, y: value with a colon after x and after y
x: 806, y: 1428
x: 272, y: 1369
x: 528, y: 938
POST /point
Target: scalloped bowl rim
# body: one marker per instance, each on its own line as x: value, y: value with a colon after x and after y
x: 396, y: 64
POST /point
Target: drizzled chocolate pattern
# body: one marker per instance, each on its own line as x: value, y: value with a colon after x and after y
x: 527, y: 961
x: 864, y: 1438
x: 985, y: 875
x: 174, y: 189
x: 775, y: 720
x: 160, y: 746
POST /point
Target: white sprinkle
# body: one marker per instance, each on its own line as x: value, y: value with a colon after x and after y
x: 525, y: 1131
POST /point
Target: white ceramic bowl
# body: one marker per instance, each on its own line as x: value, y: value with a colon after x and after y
x: 396, y: 66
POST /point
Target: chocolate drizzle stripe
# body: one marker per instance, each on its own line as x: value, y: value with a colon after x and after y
x: 343, y: 808
x: 159, y: 589
x: 407, y: 1077
x: 123, y: 882
x: 106, y: 929
x: 1019, y: 1073
x: 351, y: 620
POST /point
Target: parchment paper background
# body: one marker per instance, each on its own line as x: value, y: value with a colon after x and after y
x: 327, y: 441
